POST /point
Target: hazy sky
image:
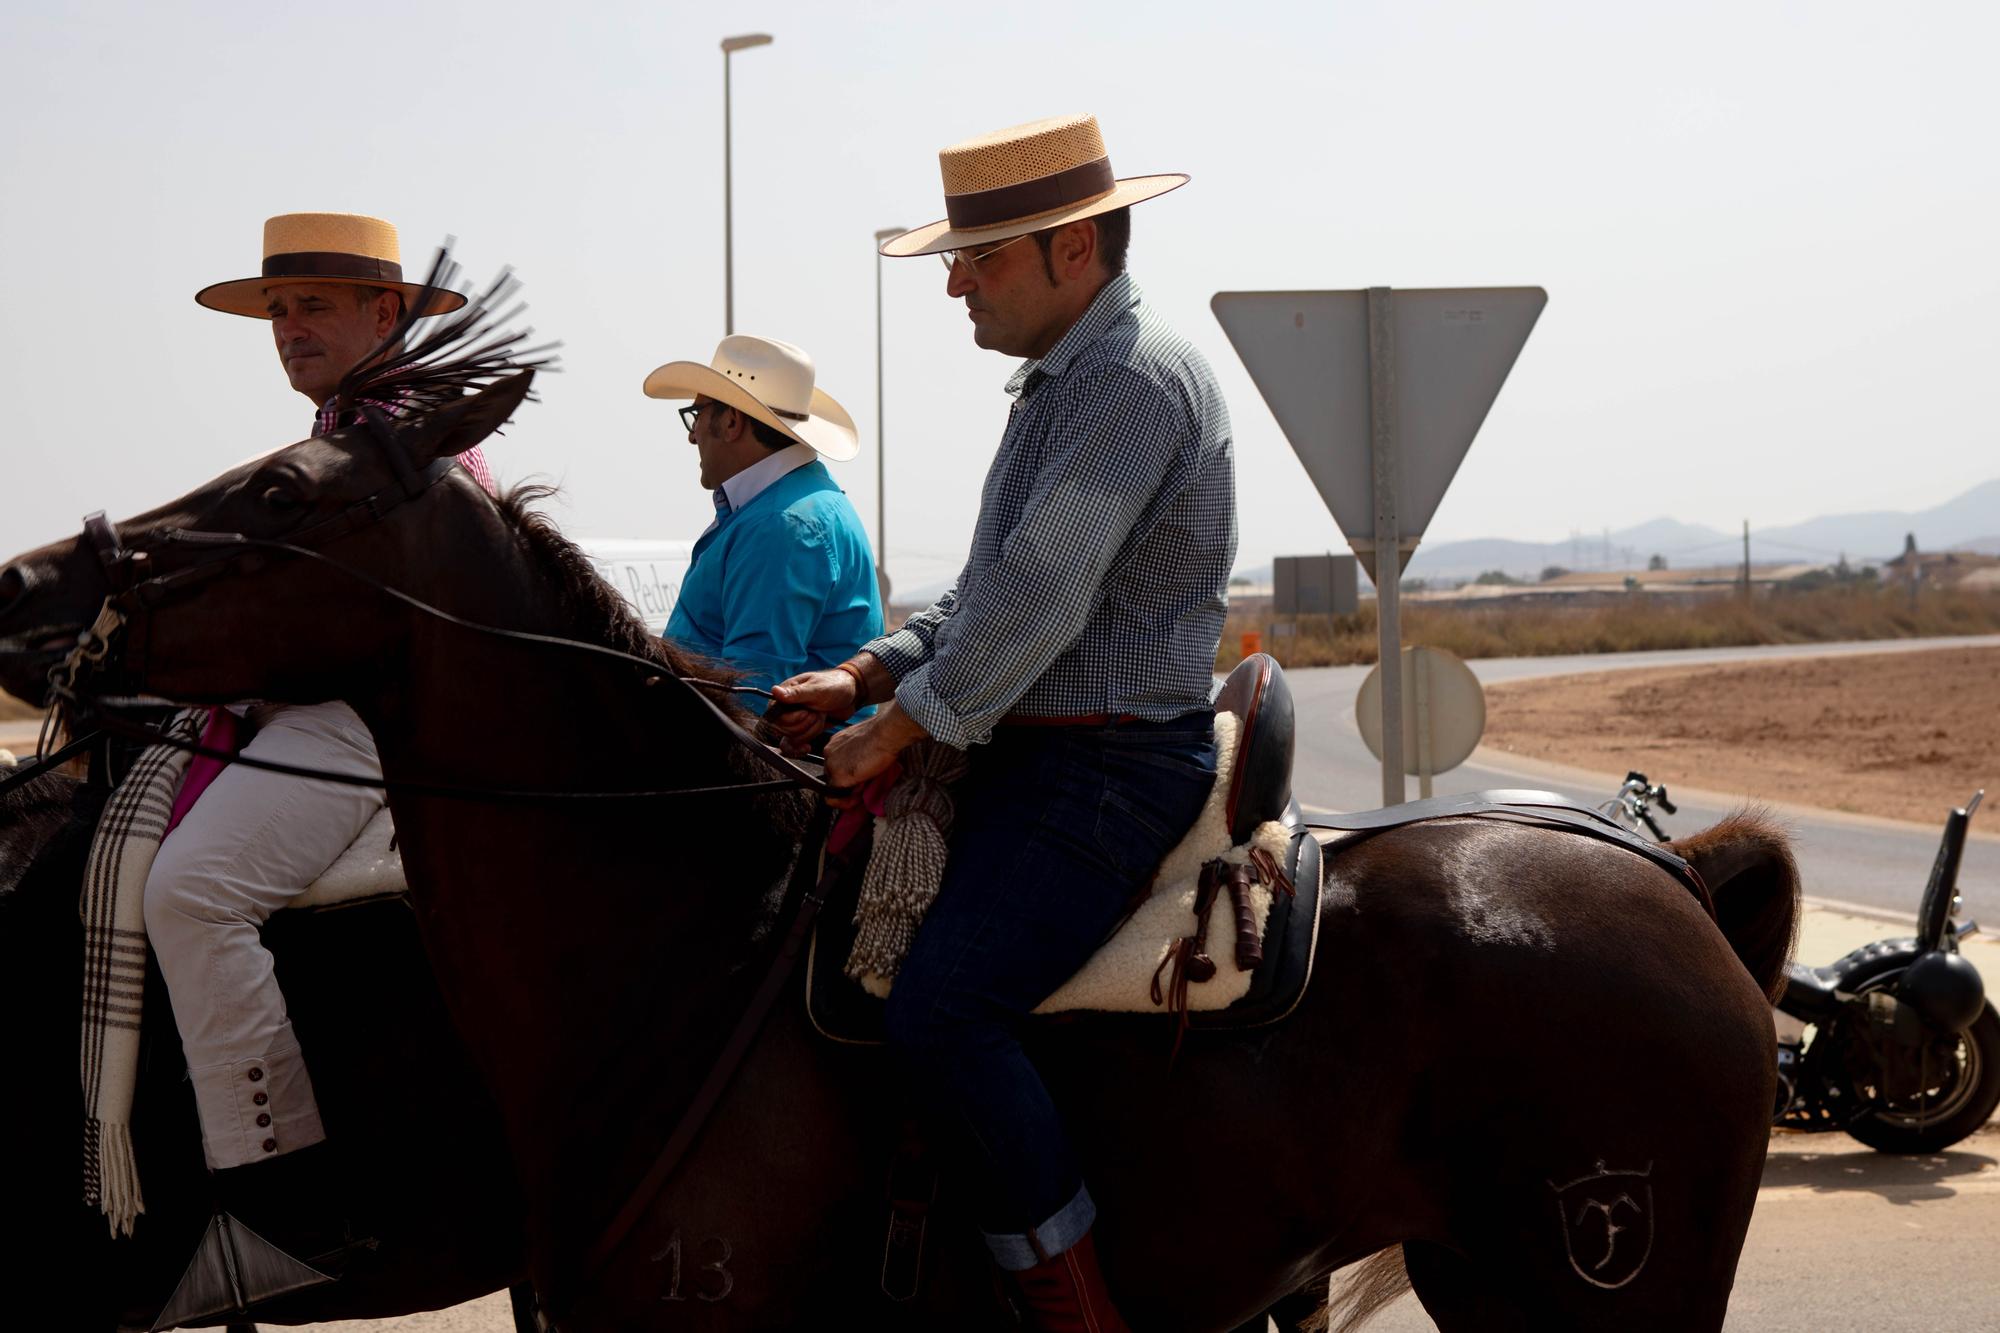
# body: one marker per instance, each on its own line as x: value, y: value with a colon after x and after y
x: 1766, y: 230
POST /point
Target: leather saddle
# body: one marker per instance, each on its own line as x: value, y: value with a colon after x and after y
x: 1260, y: 792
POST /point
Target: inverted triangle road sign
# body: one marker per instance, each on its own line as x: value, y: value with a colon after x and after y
x: 1308, y: 353
x: 1380, y: 393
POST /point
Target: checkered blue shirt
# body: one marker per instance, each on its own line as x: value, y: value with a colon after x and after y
x: 1099, y: 567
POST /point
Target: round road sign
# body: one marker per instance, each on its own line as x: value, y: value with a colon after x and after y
x: 1444, y: 711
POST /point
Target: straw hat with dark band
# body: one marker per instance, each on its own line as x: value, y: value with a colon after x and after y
x: 344, y: 248
x: 1024, y: 179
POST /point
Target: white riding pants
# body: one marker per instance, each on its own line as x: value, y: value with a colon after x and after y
x: 250, y: 845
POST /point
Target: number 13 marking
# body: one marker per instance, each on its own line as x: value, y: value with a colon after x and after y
x: 671, y: 1256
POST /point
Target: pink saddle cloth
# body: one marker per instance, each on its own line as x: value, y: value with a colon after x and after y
x: 223, y: 731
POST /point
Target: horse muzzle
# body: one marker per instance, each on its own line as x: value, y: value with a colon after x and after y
x: 27, y: 654
x: 36, y: 631
x: 24, y: 671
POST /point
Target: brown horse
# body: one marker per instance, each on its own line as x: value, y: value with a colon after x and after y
x: 1529, y: 1059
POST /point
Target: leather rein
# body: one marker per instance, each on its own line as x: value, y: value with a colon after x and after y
x: 134, y: 592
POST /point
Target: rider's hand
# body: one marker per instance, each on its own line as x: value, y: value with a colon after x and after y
x: 802, y: 707
x: 866, y: 749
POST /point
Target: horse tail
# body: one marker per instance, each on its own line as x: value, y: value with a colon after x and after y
x: 1360, y: 1292
x: 1746, y: 860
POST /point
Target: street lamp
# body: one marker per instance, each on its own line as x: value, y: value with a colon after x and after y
x: 881, y: 473
x: 731, y: 45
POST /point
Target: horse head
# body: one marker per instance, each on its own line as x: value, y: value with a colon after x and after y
x: 267, y: 581
x: 258, y: 581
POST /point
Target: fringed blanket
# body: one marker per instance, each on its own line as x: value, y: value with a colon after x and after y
x: 1131, y: 972
x: 115, y: 952
x: 113, y: 908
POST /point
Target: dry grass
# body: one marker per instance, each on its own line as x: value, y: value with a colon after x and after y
x: 1638, y: 624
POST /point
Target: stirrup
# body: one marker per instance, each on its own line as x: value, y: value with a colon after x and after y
x: 233, y: 1268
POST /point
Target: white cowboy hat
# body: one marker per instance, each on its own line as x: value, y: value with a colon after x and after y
x: 345, y: 248
x: 769, y: 380
x: 1025, y: 179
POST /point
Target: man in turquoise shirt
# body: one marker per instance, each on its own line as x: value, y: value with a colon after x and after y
x: 783, y: 581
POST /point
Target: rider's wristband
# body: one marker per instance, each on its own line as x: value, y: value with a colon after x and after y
x: 860, y: 685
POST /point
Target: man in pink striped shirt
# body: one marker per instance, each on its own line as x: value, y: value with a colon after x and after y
x: 248, y: 842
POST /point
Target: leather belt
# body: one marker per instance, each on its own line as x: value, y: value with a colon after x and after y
x: 1072, y: 720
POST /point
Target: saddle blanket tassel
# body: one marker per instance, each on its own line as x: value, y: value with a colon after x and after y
x: 912, y: 841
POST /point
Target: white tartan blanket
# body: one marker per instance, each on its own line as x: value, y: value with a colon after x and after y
x: 113, y: 908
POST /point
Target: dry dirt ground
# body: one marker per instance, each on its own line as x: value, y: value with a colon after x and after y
x: 1876, y: 735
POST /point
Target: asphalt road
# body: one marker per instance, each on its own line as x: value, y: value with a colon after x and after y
x: 1875, y: 864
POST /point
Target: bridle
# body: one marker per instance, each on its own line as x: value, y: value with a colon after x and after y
x: 111, y: 646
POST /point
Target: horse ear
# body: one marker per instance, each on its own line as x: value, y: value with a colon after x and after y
x: 452, y: 430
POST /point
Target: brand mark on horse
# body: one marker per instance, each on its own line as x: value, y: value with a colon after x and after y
x: 1607, y: 1224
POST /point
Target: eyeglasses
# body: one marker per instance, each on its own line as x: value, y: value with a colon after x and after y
x: 970, y: 257
x: 690, y: 414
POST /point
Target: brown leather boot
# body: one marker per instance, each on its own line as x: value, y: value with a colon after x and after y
x: 1065, y: 1293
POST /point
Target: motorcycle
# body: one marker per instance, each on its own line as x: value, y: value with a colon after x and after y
x: 1895, y: 1044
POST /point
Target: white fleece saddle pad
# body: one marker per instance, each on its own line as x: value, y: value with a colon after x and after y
x: 1118, y: 978
x: 371, y: 867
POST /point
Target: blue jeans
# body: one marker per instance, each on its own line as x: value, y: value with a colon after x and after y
x: 1056, y: 829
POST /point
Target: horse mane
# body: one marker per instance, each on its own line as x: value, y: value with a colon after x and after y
x: 592, y: 607
x: 595, y: 612
x: 470, y: 349
x: 461, y: 352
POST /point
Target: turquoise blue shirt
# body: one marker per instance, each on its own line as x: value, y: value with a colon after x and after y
x: 783, y: 584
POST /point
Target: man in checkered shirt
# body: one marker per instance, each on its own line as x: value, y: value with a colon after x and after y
x: 1073, y: 660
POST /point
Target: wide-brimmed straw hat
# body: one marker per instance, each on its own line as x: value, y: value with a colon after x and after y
x: 345, y: 248
x: 1024, y: 179
x: 769, y: 380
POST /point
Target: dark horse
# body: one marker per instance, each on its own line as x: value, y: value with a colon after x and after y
x: 441, y: 1206
x: 1528, y: 1059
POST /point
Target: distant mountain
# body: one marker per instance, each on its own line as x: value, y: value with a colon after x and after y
x: 1866, y: 538
x: 1680, y: 543
x: 1967, y: 522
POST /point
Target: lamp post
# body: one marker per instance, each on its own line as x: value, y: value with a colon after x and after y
x: 731, y: 45
x: 881, y: 468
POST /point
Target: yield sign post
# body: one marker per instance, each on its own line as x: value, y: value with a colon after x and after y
x: 1380, y: 393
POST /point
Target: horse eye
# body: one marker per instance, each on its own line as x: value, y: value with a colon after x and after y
x: 280, y: 499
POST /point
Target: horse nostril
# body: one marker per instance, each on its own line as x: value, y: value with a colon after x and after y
x: 14, y: 585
